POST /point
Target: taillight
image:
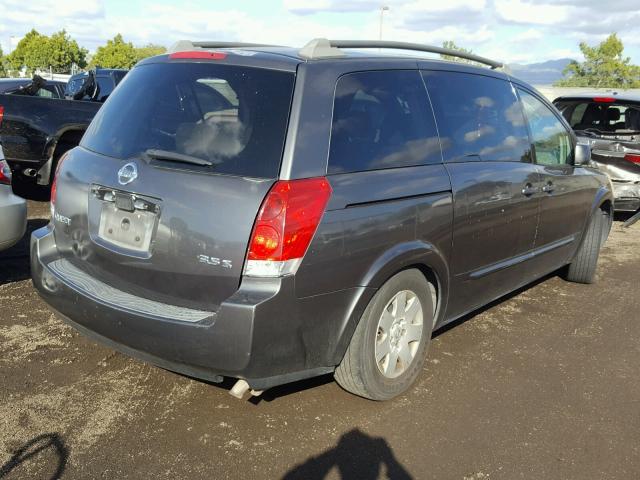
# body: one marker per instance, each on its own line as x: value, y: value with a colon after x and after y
x: 285, y: 225
x: 1, y: 114
x: 5, y: 172
x: 54, y: 184
x: 633, y: 157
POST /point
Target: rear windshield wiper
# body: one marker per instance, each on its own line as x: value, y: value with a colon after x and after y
x: 177, y: 157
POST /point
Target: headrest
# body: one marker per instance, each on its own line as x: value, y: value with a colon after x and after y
x: 613, y: 115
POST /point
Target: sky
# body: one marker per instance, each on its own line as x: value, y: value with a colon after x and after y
x: 512, y: 31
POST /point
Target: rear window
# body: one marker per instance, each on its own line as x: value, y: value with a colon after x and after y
x: 602, y: 117
x: 381, y: 120
x: 235, y: 117
x: 479, y: 118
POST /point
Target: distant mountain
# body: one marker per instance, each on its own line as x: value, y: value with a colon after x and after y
x: 543, y: 73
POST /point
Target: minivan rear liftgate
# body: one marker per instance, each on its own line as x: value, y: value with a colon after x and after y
x: 163, y: 205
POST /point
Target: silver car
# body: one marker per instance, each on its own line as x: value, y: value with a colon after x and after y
x: 610, y: 125
x: 13, y: 209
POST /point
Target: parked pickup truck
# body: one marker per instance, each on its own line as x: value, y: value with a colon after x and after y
x: 36, y: 131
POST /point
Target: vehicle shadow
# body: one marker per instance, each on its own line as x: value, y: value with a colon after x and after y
x: 622, y: 216
x: 357, y: 455
x: 14, y: 262
x: 35, y: 447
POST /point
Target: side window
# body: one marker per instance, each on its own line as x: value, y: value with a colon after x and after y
x: 382, y: 120
x: 479, y: 118
x: 578, y: 114
x: 552, y: 142
x: 46, y: 92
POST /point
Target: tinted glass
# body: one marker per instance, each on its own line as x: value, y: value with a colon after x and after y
x: 48, y: 91
x: 551, y: 140
x: 74, y: 85
x: 618, y: 117
x: 382, y: 120
x: 106, y: 87
x: 479, y: 118
x: 235, y: 117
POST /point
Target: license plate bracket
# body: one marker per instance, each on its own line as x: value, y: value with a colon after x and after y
x: 129, y: 230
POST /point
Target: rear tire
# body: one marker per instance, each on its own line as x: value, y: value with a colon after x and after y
x: 583, y: 267
x: 388, y: 348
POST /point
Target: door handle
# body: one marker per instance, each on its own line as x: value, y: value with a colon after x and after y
x: 549, y: 188
x: 529, y: 190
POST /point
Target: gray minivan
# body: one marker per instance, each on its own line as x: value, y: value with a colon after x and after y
x: 271, y: 214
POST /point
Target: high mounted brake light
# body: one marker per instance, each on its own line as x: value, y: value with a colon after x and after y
x: 604, y: 99
x: 198, y: 55
x: 633, y: 157
x: 285, y: 225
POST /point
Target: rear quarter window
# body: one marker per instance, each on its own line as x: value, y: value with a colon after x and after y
x: 479, y: 118
x: 235, y: 117
x: 381, y: 120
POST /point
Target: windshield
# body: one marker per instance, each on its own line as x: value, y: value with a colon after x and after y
x: 602, y: 117
x: 234, y: 117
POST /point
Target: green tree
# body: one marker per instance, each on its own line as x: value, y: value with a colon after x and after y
x: 604, y: 66
x: 115, y: 54
x: 36, y: 51
x: 63, y: 52
x: 451, y: 45
x: 149, y: 50
x: 30, y: 53
x: 3, y: 71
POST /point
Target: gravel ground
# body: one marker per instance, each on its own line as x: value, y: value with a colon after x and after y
x: 540, y: 385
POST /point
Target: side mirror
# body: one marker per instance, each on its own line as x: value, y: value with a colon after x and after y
x: 582, y: 155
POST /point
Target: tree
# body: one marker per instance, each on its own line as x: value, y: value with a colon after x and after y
x: 115, y: 54
x: 451, y: 45
x: 603, y: 66
x: 149, y: 50
x: 63, y: 52
x: 36, y: 51
x: 3, y: 71
x: 30, y: 53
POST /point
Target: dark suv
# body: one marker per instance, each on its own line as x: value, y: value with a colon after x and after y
x: 271, y: 214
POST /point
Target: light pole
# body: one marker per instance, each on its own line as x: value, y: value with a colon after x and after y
x: 383, y: 8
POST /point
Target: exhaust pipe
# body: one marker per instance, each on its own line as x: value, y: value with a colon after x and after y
x: 241, y: 388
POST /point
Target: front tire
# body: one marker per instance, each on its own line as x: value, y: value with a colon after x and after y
x: 388, y: 348
x: 583, y: 267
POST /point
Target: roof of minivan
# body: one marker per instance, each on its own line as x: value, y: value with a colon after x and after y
x: 288, y: 58
x: 618, y: 96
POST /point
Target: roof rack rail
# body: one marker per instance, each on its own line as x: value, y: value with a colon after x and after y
x: 323, y: 48
x: 185, y: 45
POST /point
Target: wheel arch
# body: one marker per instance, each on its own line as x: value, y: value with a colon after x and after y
x: 64, y: 140
x: 422, y: 256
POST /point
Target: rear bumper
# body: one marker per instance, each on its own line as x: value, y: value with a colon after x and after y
x: 13, y: 217
x: 262, y: 333
x: 626, y: 197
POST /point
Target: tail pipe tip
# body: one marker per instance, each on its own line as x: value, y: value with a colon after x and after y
x: 240, y: 389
